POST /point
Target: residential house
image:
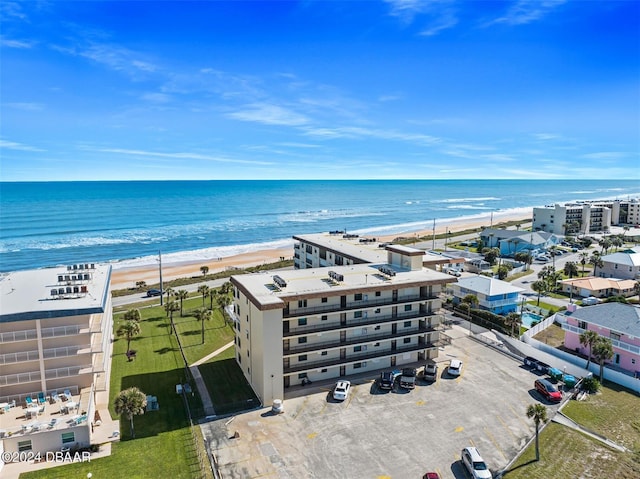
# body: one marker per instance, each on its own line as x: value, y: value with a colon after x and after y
x: 499, y: 297
x: 623, y: 264
x: 616, y: 321
x: 598, y: 287
x: 510, y: 242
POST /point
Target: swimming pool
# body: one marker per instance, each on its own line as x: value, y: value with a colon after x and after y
x: 528, y: 318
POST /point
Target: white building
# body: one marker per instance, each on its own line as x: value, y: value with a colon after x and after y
x: 622, y: 265
x: 55, y: 352
x: 322, y: 323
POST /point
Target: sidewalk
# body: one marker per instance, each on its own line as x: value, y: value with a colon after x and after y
x: 207, y: 403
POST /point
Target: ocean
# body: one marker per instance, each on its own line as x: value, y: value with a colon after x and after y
x: 128, y: 222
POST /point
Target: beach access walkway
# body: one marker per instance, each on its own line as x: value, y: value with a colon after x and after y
x: 207, y: 403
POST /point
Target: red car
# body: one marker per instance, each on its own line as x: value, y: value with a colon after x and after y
x: 548, y: 390
x: 431, y: 475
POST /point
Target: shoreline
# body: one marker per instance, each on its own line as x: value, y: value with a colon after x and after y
x: 127, y: 276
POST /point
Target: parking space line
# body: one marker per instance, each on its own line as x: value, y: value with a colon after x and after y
x: 495, y: 443
x: 504, y: 424
x: 519, y: 416
x: 350, y: 398
x: 302, y: 406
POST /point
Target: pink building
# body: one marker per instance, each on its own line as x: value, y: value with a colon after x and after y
x: 616, y: 321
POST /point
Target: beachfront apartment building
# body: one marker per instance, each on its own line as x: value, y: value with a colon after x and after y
x: 497, y: 296
x: 55, y: 355
x: 317, y: 324
x: 616, y: 321
x: 586, y: 216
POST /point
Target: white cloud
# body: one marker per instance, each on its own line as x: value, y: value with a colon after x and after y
x: 9, y: 43
x: 269, y: 114
x: 526, y: 11
x: 26, y: 106
x: 359, y: 132
x: 440, y: 15
x: 12, y: 145
x: 157, y: 97
x: 175, y: 156
x: 606, y: 155
x: 546, y: 136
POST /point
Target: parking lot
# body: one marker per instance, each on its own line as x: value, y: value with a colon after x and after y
x: 387, y: 434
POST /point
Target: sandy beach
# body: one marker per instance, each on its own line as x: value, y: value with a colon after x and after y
x: 127, y: 277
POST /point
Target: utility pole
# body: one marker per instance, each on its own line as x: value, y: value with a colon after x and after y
x: 433, y: 242
x: 161, y: 288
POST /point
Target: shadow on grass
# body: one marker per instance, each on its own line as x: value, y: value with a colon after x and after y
x: 171, y: 414
x: 164, y: 350
x: 193, y: 332
x: 524, y: 464
x: 227, y: 386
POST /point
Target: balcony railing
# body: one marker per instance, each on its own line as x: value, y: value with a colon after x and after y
x: 290, y: 313
x: 60, y: 331
x: 10, y: 379
x: 65, y: 372
x: 63, y: 352
x: 362, y: 339
x: 13, y: 336
x: 632, y: 348
x: 354, y: 358
x: 11, y: 358
x: 360, y: 322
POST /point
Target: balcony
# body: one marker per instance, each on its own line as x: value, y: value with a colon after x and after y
x: 21, y: 378
x: 21, y: 357
x: 66, y: 372
x: 362, y: 339
x: 60, y: 331
x: 342, y: 307
x: 63, y: 352
x: 360, y: 322
x: 15, y: 336
x: 632, y: 348
x: 354, y: 358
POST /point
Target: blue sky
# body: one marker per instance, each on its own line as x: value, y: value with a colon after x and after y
x: 319, y: 90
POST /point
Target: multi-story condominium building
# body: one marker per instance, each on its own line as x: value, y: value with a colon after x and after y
x: 586, y: 217
x: 55, y: 351
x: 621, y: 265
x: 322, y: 323
x: 337, y: 248
x: 616, y: 321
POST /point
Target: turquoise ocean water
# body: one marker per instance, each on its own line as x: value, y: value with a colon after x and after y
x: 45, y: 224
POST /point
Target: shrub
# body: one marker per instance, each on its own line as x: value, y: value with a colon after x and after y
x: 591, y: 384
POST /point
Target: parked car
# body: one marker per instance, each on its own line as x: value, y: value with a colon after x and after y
x: 455, y: 367
x: 548, y: 390
x: 341, y: 391
x: 153, y: 292
x: 431, y: 475
x: 430, y: 372
x: 474, y: 463
x: 387, y: 379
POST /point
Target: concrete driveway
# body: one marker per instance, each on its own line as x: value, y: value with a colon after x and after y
x: 378, y: 434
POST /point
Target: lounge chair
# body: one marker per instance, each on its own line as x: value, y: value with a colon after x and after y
x: 52, y: 423
x: 29, y: 401
x: 67, y: 395
x: 41, y: 398
x: 55, y: 397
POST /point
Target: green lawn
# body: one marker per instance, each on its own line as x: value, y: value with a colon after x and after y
x: 163, y: 446
x: 568, y: 453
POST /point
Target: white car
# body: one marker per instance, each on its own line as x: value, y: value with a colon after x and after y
x: 455, y: 367
x: 341, y: 391
x: 475, y: 464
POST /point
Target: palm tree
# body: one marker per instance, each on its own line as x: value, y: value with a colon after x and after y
x: 223, y: 301
x: 602, y: 351
x: 132, y: 315
x: 129, y: 329
x: 141, y: 284
x: 130, y: 402
x: 538, y: 413
x: 171, y: 307
x: 212, y: 295
x: 570, y: 269
x: 588, y: 339
x: 182, y: 294
x: 202, y: 315
x: 203, y: 289
x: 597, y: 262
x: 511, y: 320
x: 636, y: 288
x: 539, y: 287
x: 584, y: 259
x: 169, y: 292
x: 605, y: 243
x: 204, y: 269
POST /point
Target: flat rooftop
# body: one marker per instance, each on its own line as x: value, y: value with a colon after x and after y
x: 272, y: 288
x: 364, y: 248
x: 26, y: 295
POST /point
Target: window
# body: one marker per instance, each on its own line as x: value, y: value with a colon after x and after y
x: 323, y: 370
x: 614, y: 336
x: 323, y: 317
x: 323, y: 353
x: 26, y: 445
x: 239, y: 342
x: 357, y: 314
x: 302, y: 357
x: 302, y: 375
x: 302, y: 321
x: 357, y: 349
x: 406, y: 340
x: 302, y: 340
x: 378, y: 293
x: 302, y: 303
x: 248, y: 353
x: 323, y: 300
x: 239, y: 358
x: 377, y: 310
x: 633, y: 361
x: 376, y: 345
x: 377, y: 328
x: 582, y: 324
x: 68, y: 437
x: 407, y: 307
x: 407, y: 324
x: 357, y: 297
x: 357, y: 365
